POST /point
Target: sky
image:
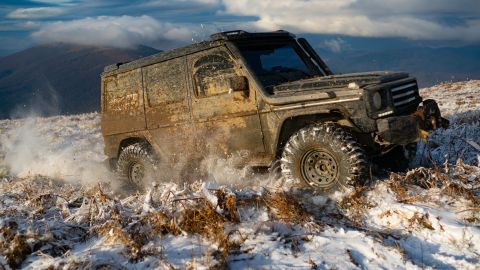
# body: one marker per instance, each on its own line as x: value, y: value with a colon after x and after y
x: 335, y: 25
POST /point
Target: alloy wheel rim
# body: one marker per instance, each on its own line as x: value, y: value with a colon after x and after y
x: 319, y: 168
x: 136, y: 173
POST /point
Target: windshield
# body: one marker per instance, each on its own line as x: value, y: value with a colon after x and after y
x: 275, y: 64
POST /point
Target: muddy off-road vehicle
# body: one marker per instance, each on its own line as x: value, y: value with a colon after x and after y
x: 262, y: 97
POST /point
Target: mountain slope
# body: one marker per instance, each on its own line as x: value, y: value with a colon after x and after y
x: 57, y: 78
x: 64, y: 79
x: 430, y: 65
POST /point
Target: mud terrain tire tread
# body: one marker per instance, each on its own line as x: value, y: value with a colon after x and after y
x: 345, y: 147
x: 135, y: 153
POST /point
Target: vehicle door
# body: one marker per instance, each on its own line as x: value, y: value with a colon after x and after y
x: 227, y: 121
x: 122, y: 103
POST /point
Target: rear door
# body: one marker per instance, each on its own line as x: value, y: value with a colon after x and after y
x: 227, y: 123
x: 122, y: 103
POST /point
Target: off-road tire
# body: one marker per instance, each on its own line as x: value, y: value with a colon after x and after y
x: 136, y: 164
x: 330, y: 152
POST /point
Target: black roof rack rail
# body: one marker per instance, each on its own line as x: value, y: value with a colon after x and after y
x: 240, y: 34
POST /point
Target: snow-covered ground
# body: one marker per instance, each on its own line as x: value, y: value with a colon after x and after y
x: 60, y: 208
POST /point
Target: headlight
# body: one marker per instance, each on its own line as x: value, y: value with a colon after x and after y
x: 377, y: 100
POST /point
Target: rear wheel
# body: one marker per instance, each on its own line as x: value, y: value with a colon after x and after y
x: 324, y: 157
x: 136, y: 164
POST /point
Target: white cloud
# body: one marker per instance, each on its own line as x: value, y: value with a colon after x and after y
x: 368, y: 18
x: 35, y: 13
x: 122, y: 31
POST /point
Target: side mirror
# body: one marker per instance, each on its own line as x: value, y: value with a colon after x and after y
x: 223, y: 84
x: 238, y: 83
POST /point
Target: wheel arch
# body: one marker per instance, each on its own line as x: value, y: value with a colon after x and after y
x: 292, y: 124
x: 131, y: 140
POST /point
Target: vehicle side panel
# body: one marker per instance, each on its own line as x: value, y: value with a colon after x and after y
x: 167, y: 106
x: 123, y: 108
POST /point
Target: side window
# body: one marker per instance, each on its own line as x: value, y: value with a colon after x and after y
x: 165, y: 82
x: 210, y: 72
x: 121, y: 92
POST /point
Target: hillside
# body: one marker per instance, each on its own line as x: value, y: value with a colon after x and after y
x: 60, y: 208
x: 430, y: 65
x: 57, y: 78
x: 60, y: 79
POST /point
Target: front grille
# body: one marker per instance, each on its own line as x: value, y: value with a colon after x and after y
x: 404, y: 95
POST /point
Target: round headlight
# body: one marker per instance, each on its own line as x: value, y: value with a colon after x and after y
x: 377, y: 101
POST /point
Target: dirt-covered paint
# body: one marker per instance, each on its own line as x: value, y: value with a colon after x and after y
x: 209, y: 98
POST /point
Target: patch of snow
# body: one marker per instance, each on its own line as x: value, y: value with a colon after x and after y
x: 59, y: 208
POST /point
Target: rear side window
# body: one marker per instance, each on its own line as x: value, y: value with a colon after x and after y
x: 121, y: 92
x: 209, y: 70
x: 165, y: 82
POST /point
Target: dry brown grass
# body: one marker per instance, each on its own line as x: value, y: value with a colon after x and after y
x: 228, y: 202
x: 454, y: 182
x: 14, y: 247
x: 357, y: 204
x: 402, y: 193
x: 205, y: 220
x: 193, y: 216
x: 161, y: 223
x: 286, y: 207
x: 474, y: 217
x: 420, y: 219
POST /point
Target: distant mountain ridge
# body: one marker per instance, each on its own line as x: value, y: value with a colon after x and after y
x: 430, y: 65
x: 65, y: 79
x: 57, y: 78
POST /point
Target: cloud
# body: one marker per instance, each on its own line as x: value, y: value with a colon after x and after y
x: 419, y: 19
x: 35, y: 13
x: 121, y: 31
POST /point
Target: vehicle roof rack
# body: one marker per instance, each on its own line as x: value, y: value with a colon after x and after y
x: 241, y: 34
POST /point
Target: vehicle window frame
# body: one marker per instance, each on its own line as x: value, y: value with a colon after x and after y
x: 235, y: 47
x: 303, y: 55
x: 194, y: 70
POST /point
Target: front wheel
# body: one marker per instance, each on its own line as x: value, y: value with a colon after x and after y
x: 324, y: 157
x: 136, y: 164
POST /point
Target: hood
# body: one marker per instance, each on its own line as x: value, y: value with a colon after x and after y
x: 337, y: 81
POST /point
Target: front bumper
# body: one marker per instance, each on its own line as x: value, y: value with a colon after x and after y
x: 403, y: 130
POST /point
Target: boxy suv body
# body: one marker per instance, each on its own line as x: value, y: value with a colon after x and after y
x: 262, y: 97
